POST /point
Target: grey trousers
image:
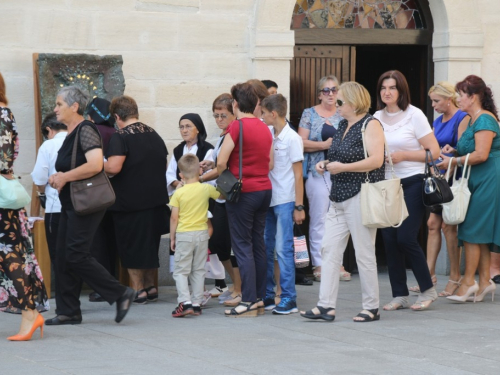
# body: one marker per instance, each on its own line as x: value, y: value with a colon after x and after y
x: 191, y: 250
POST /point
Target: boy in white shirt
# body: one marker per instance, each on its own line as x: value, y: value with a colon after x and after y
x: 286, y: 204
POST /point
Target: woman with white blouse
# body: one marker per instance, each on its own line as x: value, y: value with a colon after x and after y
x: 408, y: 134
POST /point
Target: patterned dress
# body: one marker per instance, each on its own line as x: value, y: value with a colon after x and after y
x: 21, y: 282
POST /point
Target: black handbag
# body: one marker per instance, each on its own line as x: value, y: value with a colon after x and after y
x: 91, y: 194
x: 228, y: 185
x: 435, y: 189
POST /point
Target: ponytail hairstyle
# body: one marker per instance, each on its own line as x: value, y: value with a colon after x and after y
x: 475, y: 85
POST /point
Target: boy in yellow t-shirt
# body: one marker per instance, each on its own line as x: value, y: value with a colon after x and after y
x: 189, y: 235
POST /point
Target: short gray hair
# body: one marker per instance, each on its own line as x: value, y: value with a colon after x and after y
x: 73, y: 94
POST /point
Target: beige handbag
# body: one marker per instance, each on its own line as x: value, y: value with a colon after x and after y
x: 382, y: 203
x: 454, y: 212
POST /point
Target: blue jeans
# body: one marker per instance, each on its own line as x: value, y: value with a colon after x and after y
x: 278, y: 236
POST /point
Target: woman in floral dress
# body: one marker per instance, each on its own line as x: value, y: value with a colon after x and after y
x: 21, y: 282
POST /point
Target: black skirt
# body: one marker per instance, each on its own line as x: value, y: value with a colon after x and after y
x: 138, y: 237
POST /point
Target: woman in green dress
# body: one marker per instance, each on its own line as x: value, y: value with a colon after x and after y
x: 481, y: 229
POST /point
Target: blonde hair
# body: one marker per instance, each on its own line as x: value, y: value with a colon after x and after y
x: 189, y: 166
x: 356, y: 95
x: 446, y: 90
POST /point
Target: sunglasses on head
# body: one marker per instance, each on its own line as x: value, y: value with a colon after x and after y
x: 328, y: 90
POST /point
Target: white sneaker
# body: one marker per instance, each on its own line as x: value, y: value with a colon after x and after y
x: 216, y: 291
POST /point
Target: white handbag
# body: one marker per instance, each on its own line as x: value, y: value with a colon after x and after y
x: 454, y: 212
x: 214, y: 269
x: 382, y: 203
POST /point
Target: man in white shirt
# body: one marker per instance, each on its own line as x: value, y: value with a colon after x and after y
x: 55, y: 133
x: 286, y: 204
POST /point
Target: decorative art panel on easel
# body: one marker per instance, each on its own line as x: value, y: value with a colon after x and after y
x: 364, y: 14
x: 100, y: 76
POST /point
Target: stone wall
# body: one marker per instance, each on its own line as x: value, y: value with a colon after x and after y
x: 178, y: 54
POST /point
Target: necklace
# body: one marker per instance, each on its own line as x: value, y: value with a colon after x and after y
x: 390, y: 114
x: 475, y: 118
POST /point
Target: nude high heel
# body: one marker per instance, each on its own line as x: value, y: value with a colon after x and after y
x: 472, y: 290
x: 37, y: 324
x: 489, y: 289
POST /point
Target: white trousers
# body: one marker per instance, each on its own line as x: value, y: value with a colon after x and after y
x: 344, y: 219
x: 318, y: 192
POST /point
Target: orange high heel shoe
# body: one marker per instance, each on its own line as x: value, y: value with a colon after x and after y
x: 38, y: 323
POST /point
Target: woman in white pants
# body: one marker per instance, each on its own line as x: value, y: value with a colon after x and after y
x: 317, y: 128
x: 348, y: 168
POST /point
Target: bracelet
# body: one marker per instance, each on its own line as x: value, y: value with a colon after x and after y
x: 459, y: 161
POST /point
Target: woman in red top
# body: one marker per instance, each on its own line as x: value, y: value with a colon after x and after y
x: 247, y: 217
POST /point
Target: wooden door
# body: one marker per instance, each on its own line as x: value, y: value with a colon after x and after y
x: 309, y: 64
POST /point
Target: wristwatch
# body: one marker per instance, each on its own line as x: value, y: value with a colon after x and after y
x: 299, y: 207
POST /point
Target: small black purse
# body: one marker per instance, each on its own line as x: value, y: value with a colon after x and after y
x: 435, y: 189
x: 228, y: 185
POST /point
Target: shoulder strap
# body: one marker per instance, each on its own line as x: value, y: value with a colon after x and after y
x: 241, y: 150
x: 75, y: 146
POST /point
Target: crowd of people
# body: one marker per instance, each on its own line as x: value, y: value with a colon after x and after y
x: 324, y: 160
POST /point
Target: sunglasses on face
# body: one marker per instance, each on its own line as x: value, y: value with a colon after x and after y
x: 339, y: 103
x: 222, y: 116
x: 328, y: 90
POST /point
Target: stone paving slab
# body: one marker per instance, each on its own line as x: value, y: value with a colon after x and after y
x: 448, y: 338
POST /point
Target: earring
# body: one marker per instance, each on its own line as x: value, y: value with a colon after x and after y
x: 448, y: 104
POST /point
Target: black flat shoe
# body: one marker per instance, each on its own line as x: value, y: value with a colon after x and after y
x: 123, y: 304
x: 304, y: 281
x: 496, y: 279
x: 63, y: 319
x: 141, y: 300
x: 96, y: 297
x: 323, y: 314
x: 152, y: 297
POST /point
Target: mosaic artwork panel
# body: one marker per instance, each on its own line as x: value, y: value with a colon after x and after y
x: 100, y: 76
x: 364, y: 14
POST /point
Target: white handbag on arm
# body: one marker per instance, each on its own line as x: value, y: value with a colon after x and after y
x: 454, y: 212
x: 382, y: 203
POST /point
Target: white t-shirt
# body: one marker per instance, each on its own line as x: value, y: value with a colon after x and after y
x: 288, y: 149
x: 45, y: 167
x: 404, y: 136
x: 172, y: 167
